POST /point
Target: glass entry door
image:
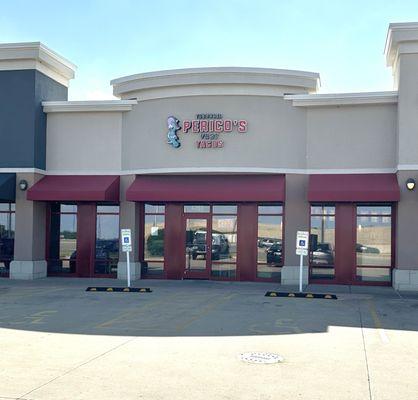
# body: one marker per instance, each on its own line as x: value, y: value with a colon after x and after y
x: 197, y: 247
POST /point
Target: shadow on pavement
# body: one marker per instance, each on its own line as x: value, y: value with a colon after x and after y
x: 197, y: 308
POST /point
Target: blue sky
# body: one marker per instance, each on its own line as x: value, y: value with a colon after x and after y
x: 342, y: 40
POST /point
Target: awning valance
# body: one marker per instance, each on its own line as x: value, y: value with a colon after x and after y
x: 8, y: 187
x: 207, y: 188
x: 76, y: 188
x: 353, y: 187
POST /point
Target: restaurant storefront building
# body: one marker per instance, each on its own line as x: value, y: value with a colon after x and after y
x: 214, y: 170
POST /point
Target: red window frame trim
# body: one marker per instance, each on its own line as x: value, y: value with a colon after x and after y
x: 110, y: 275
x: 10, y: 211
x: 92, y: 258
x: 354, y: 227
x: 317, y: 204
x: 49, y: 214
x: 283, y: 215
x: 392, y: 216
x: 211, y: 215
x: 142, y: 239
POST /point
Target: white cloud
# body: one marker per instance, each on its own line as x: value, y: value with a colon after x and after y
x: 90, y: 92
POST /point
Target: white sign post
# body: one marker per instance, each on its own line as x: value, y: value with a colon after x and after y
x: 127, y: 247
x: 302, y: 243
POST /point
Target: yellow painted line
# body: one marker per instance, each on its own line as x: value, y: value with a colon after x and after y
x: 32, y: 292
x: 287, y: 324
x: 206, y: 310
x: 121, y: 317
x: 136, y: 310
x: 377, y: 322
x: 36, y: 318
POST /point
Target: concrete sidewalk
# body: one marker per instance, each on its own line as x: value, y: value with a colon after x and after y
x: 183, y: 341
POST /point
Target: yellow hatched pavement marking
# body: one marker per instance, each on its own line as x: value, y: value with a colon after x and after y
x: 378, y: 322
x: 206, y: 310
x: 134, y: 311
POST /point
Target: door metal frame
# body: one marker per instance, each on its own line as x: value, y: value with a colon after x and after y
x: 188, y: 274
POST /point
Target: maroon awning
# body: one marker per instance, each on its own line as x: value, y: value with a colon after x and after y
x: 207, y: 188
x: 353, y: 187
x: 75, y: 188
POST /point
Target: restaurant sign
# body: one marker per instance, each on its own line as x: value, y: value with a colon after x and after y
x: 210, y: 129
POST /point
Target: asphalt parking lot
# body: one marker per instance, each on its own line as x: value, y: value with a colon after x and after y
x: 184, y: 340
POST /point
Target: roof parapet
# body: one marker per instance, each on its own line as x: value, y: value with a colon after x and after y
x: 35, y: 55
x: 183, y: 80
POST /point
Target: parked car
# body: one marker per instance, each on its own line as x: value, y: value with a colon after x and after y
x: 220, y: 245
x: 361, y: 248
x: 267, y: 242
x: 105, y: 249
x: 275, y: 253
x: 6, y: 251
x: 323, y: 254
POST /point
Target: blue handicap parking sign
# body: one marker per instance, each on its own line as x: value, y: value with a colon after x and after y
x: 125, y: 240
x: 302, y: 243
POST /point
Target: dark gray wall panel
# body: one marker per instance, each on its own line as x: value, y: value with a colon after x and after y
x: 22, y: 121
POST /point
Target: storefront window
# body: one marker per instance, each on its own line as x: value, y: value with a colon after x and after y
x: 270, y: 241
x: 154, y: 225
x: 107, y: 240
x: 196, y: 208
x: 322, y: 243
x: 7, y: 234
x: 374, y: 243
x: 63, y: 239
x: 224, y: 241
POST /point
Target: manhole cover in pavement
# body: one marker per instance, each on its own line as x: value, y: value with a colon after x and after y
x: 256, y: 357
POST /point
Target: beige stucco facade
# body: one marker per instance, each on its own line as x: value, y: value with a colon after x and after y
x: 291, y: 130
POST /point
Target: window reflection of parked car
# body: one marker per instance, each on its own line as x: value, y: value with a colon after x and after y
x: 220, y: 245
x: 6, y: 251
x: 269, y: 242
x: 105, y: 251
x: 361, y: 248
x: 266, y: 242
x: 322, y: 255
x: 274, y: 254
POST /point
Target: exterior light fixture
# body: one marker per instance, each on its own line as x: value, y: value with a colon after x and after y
x: 23, y: 185
x: 410, y: 184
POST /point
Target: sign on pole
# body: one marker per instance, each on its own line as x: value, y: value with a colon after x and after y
x: 302, y: 244
x: 302, y: 240
x: 126, y: 240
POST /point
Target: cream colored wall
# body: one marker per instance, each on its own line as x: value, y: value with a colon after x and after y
x: 280, y: 138
x: 352, y: 137
x: 275, y: 138
x: 408, y: 110
x: 84, y: 141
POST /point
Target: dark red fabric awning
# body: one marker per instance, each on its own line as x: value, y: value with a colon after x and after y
x: 353, y: 187
x: 75, y: 188
x: 207, y: 188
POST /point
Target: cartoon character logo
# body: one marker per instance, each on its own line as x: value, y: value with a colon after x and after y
x: 173, y: 125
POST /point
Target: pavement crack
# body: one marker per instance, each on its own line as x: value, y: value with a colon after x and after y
x: 365, y: 354
x: 76, y: 367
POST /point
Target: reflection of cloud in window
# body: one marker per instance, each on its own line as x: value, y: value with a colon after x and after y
x: 108, y: 227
